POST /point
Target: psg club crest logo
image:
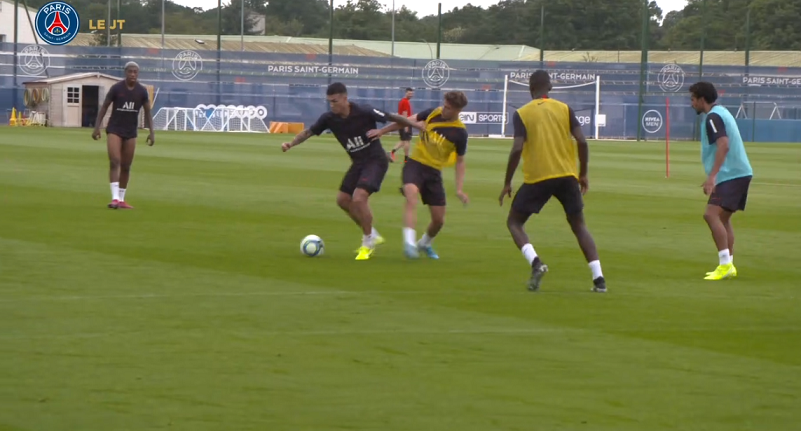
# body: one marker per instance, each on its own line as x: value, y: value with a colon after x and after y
x: 57, y: 23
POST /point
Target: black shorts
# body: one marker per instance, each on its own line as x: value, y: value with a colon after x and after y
x: 367, y: 175
x: 731, y: 195
x: 123, y: 134
x: 530, y: 198
x: 405, y: 135
x: 428, y: 180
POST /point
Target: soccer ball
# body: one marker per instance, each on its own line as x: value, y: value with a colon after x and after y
x: 312, y: 246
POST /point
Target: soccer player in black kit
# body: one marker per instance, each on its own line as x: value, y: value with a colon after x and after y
x: 126, y: 98
x: 350, y: 122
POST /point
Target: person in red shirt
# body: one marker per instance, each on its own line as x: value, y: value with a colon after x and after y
x: 405, y: 110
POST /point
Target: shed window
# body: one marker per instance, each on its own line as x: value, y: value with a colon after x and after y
x: 73, y: 95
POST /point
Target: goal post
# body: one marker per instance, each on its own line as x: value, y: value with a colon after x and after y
x: 578, y: 96
x: 212, y: 118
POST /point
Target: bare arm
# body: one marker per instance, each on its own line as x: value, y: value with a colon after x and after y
x: 403, y: 121
x: 103, y: 110
x: 720, y: 155
x: 460, y: 171
x: 392, y: 127
x: 583, y: 150
x: 148, y: 117
x: 300, y: 138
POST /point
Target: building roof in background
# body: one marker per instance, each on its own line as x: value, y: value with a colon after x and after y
x: 73, y: 77
x: 712, y: 58
x: 449, y: 51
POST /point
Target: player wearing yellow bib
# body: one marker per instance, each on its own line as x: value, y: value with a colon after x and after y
x: 443, y: 143
x: 544, y: 131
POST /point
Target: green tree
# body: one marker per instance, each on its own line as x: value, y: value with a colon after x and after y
x: 776, y: 25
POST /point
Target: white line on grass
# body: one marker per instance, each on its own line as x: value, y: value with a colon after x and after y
x: 401, y: 331
x: 463, y: 293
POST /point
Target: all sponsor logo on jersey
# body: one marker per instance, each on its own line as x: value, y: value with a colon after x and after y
x: 127, y: 107
x: 57, y: 23
x: 355, y: 144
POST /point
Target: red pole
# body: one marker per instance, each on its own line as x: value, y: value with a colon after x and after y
x: 667, y: 137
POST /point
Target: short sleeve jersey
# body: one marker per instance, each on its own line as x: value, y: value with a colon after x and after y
x: 440, y: 141
x: 404, y: 107
x: 351, y: 131
x: 125, y: 105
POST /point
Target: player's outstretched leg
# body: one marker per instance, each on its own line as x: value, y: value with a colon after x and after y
x: 410, y: 192
x: 515, y: 222
x: 726, y: 219
x: 437, y: 221
x: 714, y: 216
x: 360, y: 210
x: 114, y: 146
x: 345, y: 202
x: 126, y: 160
x: 587, y: 244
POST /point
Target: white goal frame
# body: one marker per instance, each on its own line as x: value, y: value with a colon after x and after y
x: 212, y: 118
x: 598, y: 120
x: 742, y: 112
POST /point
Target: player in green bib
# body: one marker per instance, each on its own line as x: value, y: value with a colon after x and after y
x: 728, y: 173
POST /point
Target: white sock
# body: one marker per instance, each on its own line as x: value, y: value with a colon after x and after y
x: 725, y: 258
x: 367, y: 240
x: 115, y: 191
x: 731, y: 259
x: 409, y: 236
x: 595, y: 267
x: 426, y: 240
x: 122, y: 195
x: 529, y: 253
x: 374, y: 233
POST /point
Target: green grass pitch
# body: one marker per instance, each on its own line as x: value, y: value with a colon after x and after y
x: 196, y: 311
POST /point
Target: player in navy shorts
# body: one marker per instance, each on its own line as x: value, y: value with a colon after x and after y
x: 350, y: 123
x: 126, y: 98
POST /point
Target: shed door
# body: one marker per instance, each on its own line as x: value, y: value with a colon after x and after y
x: 72, y: 107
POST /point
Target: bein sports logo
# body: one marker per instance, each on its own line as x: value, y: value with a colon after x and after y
x: 57, y: 23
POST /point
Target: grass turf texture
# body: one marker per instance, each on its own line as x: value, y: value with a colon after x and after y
x: 196, y: 311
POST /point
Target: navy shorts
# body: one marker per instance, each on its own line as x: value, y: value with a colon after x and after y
x: 531, y: 198
x: 731, y: 195
x: 123, y: 134
x: 428, y: 181
x: 367, y: 175
x: 406, y: 134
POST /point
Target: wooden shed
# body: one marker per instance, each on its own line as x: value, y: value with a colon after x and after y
x: 70, y: 100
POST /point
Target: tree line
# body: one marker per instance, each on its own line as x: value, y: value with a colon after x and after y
x: 568, y: 24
